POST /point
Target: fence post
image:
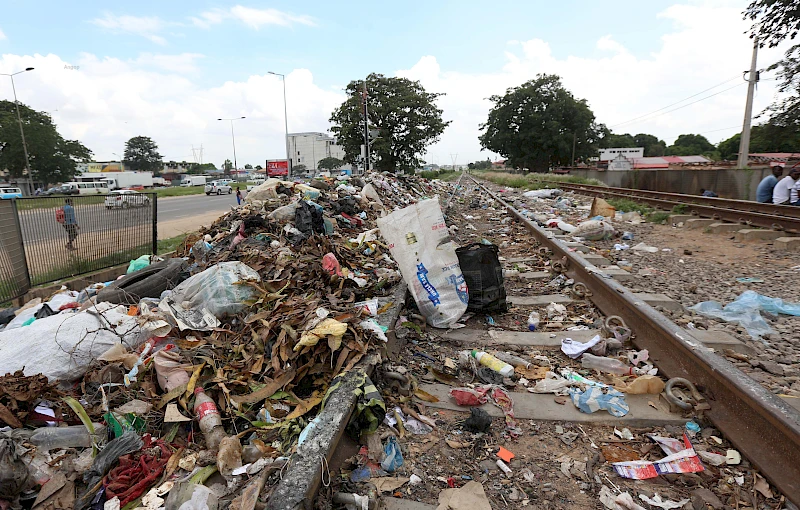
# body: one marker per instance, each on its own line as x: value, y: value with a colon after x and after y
x: 155, y: 224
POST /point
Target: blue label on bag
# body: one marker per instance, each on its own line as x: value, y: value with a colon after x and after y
x: 422, y: 276
x: 461, y: 287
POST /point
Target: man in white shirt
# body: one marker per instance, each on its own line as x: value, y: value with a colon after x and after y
x: 793, y: 195
x: 782, y: 194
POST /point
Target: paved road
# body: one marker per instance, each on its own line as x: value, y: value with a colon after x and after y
x: 193, y: 205
x: 40, y: 225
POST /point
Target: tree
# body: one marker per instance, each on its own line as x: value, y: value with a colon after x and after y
x: 141, y: 154
x: 227, y: 166
x: 763, y: 138
x: 653, y: 147
x: 248, y: 166
x: 259, y: 167
x: 330, y: 163
x: 773, y: 22
x: 404, y: 115
x: 202, y: 169
x: 485, y: 164
x: 690, y: 145
x: 617, y: 141
x: 52, y: 158
x: 299, y: 168
x: 534, y: 125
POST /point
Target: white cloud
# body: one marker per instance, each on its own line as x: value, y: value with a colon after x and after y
x: 253, y: 18
x: 619, y: 86
x: 106, y: 101
x: 2, y: 36
x: 145, y: 26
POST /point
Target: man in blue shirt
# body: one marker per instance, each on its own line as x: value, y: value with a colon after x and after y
x: 70, y: 223
x: 767, y: 184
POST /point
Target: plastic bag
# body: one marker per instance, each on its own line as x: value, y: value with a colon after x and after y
x: 308, y: 219
x: 542, y: 193
x: 483, y: 274
x: 594, y: 230
x: 283, y: 214
x: 745, y: 311
x: 221, y: 289
x: 394, y: 457
x: 551, y: 383
x: 128, y: 442
x: 420, y: 243
x: 137, y: 264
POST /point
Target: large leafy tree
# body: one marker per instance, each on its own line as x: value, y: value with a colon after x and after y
x: 690, y: 145
x: 614, y: 140
x: 141, y: 154
x: 775, y: 21
x: 763, y: 138
x: 197, y: 168
x: 52, y: 158
x: 330, y: 163
x: 401, y: 111
x: 534, y: 125
x: 652, y: 145
x: 227, y: 166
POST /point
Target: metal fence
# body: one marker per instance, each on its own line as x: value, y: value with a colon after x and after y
x: 50, y: 238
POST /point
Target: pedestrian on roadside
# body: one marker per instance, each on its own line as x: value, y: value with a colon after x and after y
x: 70, y: 223
x: 782, y: 194
x: 238, y: 196
x: 767, y: 184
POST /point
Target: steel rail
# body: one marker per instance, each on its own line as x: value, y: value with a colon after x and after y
x: 760, y: 425
x: 777, y: 217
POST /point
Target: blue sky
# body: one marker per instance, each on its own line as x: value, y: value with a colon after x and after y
x: 169, y: 69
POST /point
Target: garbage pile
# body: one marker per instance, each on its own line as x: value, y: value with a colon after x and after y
x: 176, y: 384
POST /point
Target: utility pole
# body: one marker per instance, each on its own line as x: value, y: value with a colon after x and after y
x: 366, y: 128
x: 454, y: 158
x: 574, y: 137
x: 752, y: 78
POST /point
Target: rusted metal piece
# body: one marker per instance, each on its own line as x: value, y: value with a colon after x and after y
x: 580, y: 290
x: 761, y: 425
x: 685, y: 402
x: 778, y: 217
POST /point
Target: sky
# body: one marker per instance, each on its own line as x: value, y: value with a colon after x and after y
x: 109, y: 71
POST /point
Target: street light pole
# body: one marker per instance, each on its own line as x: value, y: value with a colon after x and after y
x: 285, y: 120
x: 233, y: 139
x: 22, y: 131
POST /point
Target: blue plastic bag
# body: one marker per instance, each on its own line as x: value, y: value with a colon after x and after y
x: 394, y: 457
x: 745, y: 311
x: 595, y: 398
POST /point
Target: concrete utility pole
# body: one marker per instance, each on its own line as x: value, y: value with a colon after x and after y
x: 22, y: 131
x: 366, y: 129
x: 752, y: 78
x: 285, y: 121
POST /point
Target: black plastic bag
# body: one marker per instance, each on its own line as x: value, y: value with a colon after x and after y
x: 45, y: 311
x: 478, y: 421
x: 483, y: 274
x: 308, y: 219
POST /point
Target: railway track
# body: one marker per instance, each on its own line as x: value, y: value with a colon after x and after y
x: 777, y: 217
x: 762, y: 426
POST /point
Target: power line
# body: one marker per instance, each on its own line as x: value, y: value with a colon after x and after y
x: 684, y: 106
x: 677, y: 102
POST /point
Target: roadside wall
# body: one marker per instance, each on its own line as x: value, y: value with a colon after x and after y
x: 728, y: 183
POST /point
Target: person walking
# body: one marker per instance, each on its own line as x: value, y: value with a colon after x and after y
x: 238, y: 196
x: 782, y: 193
x: 767, y: 184
x: 70, y: 223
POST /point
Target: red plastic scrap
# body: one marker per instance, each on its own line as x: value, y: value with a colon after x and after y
x: 138, y: 471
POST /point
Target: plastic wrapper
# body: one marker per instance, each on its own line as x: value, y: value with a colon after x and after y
x: 137, y: 264
x: 221, y: 289
x: 682, y: 461
x: 128, y: 442
x: 745, y: 311
x: 542, y: 193
x: 594, y: 230
x: 14, y: 474
x: 393, y: 457
x: 420, y: 243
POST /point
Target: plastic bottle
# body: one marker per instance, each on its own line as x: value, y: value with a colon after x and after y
x: 533, y: 321
x: 495, y: 364
x: 207, y: 413
x: 512, y: 360
x: 603, y: 364
x: 74, y: 436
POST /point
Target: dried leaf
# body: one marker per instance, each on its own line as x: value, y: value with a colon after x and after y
x: 266, y: 391
x: 303, y: 408
x: 456, y: 445
x: 424, y: 395
x: 258, y: 365
x: 8, y: 417
x: 762, y: 486
x: 444, y: 378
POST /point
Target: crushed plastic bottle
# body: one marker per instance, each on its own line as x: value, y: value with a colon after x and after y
x: 207, y: 413
x: 533, y: 321
x: 515, y: 361
x: 603, y: 364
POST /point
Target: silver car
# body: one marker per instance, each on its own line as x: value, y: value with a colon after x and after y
x: 217, y: 188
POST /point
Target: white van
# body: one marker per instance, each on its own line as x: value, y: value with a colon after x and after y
x: 89, y: 188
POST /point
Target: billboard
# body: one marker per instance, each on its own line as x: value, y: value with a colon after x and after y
x: 277, y: 167
x: 103, y: 167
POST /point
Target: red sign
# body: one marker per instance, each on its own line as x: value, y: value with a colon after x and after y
x: 277, y: 167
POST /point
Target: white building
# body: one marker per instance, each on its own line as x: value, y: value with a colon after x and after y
x: 309, y: 148
x: 628, y: 152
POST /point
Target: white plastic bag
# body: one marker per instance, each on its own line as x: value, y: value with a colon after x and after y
x: 221, y: 289
x: 594, y: 230
x: 420, y: 243
x: 62, y: 346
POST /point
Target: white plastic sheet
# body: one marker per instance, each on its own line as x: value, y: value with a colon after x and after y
x: 745, y: 311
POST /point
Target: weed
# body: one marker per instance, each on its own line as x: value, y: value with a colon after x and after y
x: 680, y: 209
x: 625, y: 205
x: 658, y: 217
x: 170, y: 244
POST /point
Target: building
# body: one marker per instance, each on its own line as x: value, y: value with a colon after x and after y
x: 310, y: 148
x: 628, y: 152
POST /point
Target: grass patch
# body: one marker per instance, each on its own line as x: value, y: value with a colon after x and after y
x: 170, y: 244
x: 624, y: 205
x: 27, y: 204
x: 78, y: 266
x: 444, y: 175
x: 533, y: 180
x: 680, y: 209
x: 658, y: 217
x: 178, y: 191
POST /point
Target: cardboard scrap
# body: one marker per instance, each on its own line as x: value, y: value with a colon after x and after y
x: 469, y: 497
x: 389, y: 483
x: 173, y: 415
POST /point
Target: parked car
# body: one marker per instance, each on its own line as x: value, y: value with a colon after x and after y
x: 10, y: 193
x: 218, y: 188
x: 125, y: 198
